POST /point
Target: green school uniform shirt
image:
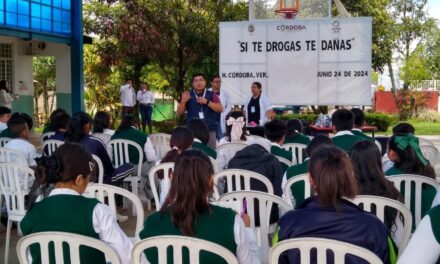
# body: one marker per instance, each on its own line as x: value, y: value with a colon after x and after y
x: 297, y: 189
x: 7, y: 133
x: 134, y: 135
x: 209, y: 151
x: 280, y: 152
x: 297, y: 138
x: 362, y: 135
x: 346, y: 142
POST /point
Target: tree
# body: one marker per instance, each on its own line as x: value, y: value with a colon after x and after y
x: 44, y: 82
x: 178, y: 37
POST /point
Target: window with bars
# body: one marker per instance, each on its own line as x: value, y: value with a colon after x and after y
x: 6, y: 64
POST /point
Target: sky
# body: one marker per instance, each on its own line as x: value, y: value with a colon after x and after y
x: 434, y: 8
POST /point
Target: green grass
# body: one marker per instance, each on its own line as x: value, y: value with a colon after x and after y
x: 422, y: 128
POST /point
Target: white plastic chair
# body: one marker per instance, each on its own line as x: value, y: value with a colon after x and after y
x: 4, y: 141
x: 104, y: 192
x: 12, y: 155
x: 425, y: 142
x: 284, y: 160
x: 238, y: 180
x: 161, y: 144
x: 265, y: 202
x: 14, y: 184
x: 193, y: 245
x: 50, y: 145
x: 430, y: 153
x: 297, y: 150
x: 166, y: 169
x: 214, y: 164
x: 46, y: 136
x: 100, y: 168
x: 407, y: 180
x: 322, y: 245
x: 227, y: 151
x: 121, y: 155
x: 288, y: 196
x: 381, y: 204
x: 57, y: 239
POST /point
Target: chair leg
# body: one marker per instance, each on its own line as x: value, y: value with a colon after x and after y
x: 8, y: 238
x: 134, y: 190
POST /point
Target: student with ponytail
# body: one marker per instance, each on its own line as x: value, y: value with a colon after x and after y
x: 66, y: 210
x: 187, y: 212
x: 404, y: 152
x: 329, y: 215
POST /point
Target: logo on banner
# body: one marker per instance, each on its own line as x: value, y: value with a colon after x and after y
x: 290, y: 28
x: 336, y: 26
x: 251, y: 28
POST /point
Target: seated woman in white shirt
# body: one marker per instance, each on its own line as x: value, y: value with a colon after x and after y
x: 191, y: 184
x: 66, y: 210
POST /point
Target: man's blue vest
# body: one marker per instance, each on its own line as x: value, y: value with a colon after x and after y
x: 193, y: 109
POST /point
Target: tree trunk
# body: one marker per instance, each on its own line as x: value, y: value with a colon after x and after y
x: 36, y: 115
x: 393, y: 80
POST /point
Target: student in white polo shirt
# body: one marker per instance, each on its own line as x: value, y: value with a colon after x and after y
x: 128, y: 98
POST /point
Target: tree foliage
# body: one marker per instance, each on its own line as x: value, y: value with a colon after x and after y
x: 44, y: 82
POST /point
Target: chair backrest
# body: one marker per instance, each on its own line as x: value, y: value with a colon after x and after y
x: 4, y: 141
x: 377, y: 205
x: 50, y: 145
x: 121, y: 154
x: 57, y: 240
x: 15, y: 182
x: 12, y: 155
x: 214, y: 164
x: 227, y: 151
x: 161, y: 144
x: 106, y: 194
x: 430, y: 153
x: 100, y: 168
x: 297, y: 149
x: 165, y: 169
x: 405, y: 181
x: 322, y: 245
x: 265, y: 202
x: 425, y: 142
x: 238, y: 180
x: 178, y: 243
x: 284, y: 161
x: 288, y: 196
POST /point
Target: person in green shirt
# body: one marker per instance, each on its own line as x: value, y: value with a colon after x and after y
x: 404, y: 151
x: 359, y: 122
x: 294, y: 133
x: 343, y: 121
x: 8, y: 133
x: 187, y: 212
x: 201, y: 137
x: 66, y: 210
x: 275, y: 131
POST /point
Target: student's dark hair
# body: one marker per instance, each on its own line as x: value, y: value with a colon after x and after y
x: 76, y: 127
x: 332, y: 172
x: 359, y: 117
x: 61, y: 121
x: 404, y: 128
x: 199, y: 129
x: 235, y: 114
x: 214, y: 77
x: 275, y: 130
x: 64, y: 165
x: 181, y: 139
x: 196, y: 75
x: 4, y: 110
x: 29, y: 121
x: 101, y: 121
x: 3, y: 85
x: 294, y: 126
x: 408, y: 161
x: 127, y: 122
x: 343, y: 119
x: 367, y: 164
x: 52, y: 116
x: 258, y: 84
x: 189, y: 191
x: 316, y: 142
x: 17, y: 124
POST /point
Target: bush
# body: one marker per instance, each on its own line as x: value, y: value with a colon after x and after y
x: 311, y: 118
x: 429, y: 116
x: 165, y: 126
x: 381, y: 121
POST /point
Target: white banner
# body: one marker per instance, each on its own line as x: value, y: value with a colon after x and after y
x: 298, y: 62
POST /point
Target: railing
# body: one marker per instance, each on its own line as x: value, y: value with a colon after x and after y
x: 425, y: 85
